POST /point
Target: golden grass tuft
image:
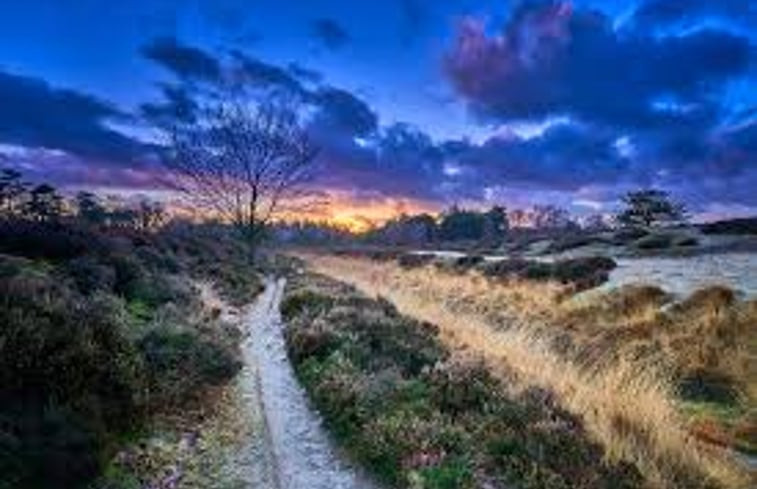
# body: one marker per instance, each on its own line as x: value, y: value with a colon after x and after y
x: 626, y: 406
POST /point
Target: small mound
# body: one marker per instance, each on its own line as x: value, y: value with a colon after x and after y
x: 630, y: 299
x: 714, y: 298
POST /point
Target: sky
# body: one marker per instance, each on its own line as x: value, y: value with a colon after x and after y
x: 416, y: 104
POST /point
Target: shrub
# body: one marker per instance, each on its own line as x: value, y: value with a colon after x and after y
x: 708, y: 386
x: 89, y: 275
x: 45, y: 447
x: 316, y: 341
x: 48, y: 240
x: 70, y: 378
x: 304, y: 300
x: 96, y: 334
x: 746, y: 225
x: 417, y: 417
x: 685, y: 241
x: 583, y: 272
x: 179, y: 363
x: 628, y: 234
x: 715, y: 299
x: 572, y: 241
x: 414, y: 260
x: 74, y: 350
x: 160, y: 259
x: 468, y: 261
x: 131, y: 276
x: 657, y: 241
x: 509, y: 268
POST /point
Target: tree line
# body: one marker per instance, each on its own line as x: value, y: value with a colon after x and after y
x: 645, y: 208
x: 43, y: 202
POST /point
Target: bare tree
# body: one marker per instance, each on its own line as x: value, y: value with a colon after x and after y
x: 242, y: 160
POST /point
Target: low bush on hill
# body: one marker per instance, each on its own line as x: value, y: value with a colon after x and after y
x: 747, y: 225
x: 583, y: 273
x: 414, y: 260
x: 101, y: 329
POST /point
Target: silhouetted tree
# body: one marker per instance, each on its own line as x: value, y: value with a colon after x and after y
x: 419, y: 229
x: 550, y: 217
x: 239, y: 159
x: 457, y: 224
x: 150, y: 215
x: 12, y: 192
x: 518, y: 218
x: 124, y: 217
x: 496, y: 224
x: 44, y: 204
x: 650, y: 207
x: 89, y: 209
x: 595, y: 222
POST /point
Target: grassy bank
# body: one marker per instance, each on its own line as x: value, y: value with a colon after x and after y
x: 421, y: 415
x: 626, y: 400
x: 103, y: 333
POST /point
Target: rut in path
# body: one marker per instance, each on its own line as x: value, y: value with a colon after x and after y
x: 293, y: 450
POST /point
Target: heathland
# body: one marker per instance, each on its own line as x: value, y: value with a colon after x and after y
x: 631, y: 387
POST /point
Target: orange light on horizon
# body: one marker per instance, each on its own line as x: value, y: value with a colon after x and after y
x: 341, y: 209
x: 359, y: 214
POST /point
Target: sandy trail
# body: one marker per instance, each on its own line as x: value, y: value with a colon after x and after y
x: 291, y: 450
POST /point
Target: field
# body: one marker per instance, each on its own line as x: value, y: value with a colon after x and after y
x: 662, y: 385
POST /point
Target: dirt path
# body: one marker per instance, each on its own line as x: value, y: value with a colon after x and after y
x: 291, y: 450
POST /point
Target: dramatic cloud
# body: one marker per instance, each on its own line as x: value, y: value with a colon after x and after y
x: 342, y: 111
x: 401, y: 161
x: 34, y: 114
x: 184, y: 61
x: 250, y: 70
x: 69, y: 170
x: 178, y: 104
x: 330, y: 33
x: 648, y: 108
x: 564, y: 157
x: 554, y: 59
x: 305, y: 74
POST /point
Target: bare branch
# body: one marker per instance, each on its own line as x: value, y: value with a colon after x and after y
x: 240, y: 159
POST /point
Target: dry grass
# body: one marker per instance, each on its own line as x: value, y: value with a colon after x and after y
x: 630, y: 410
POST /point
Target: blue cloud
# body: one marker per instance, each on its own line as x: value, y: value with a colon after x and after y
x: 35, y: 114
x: 182, y: 60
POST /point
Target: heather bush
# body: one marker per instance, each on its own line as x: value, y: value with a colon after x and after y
x: 656, y: 241
x: 46, y: 446
x: 304, y: 300
x: 468, y: 261
x: 180, y: 363
x: 583, y: 273
x: 414, y: 260
x: 66, y: 360
x: 90, y: 275
x: 101, y: 329
x: 48, y: 240
x: 418, y: 416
